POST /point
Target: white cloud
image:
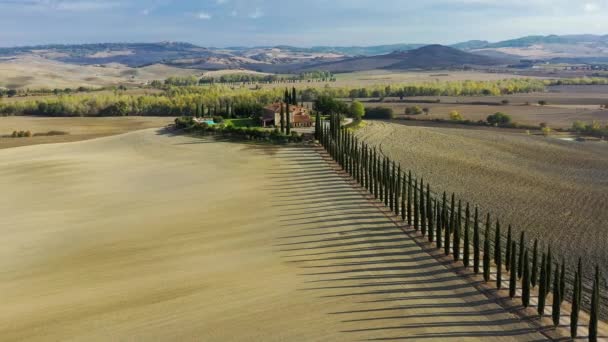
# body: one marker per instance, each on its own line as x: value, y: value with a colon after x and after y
x: 591, y: 7
x: 256, y: 14
x: 204, y: 16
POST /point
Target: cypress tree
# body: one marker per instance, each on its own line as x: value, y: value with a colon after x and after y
x: 457, y: 228
x: 520, y: 265
x: 526, y: 281
x: 403, y: 199
x: 466, y: 257
x: 391, y: 193
x: 575, y: 309
x: 534, y: 277
x: 556, y: 309
x: 432, y: 209
x: 542, y: 290
x: 282, y: 119
x: 512, y: 274
x: 446, y: 233
x: 416, y: 205
x: 398, y: 193
x: 508, y: 251
x: 318, y: 126
x: 487, y: 252
x: 580, y: 283
x: 438, y: 224
x: 387, y: 180
x: 548, y: 275
x: 288, y: 120
x: 452, y: 221
x: 429, y: 209
x: 476, y: 242
x: 562, y: 282
x: 409, y: 199
x: 595, y: 307
x: 294, y: 96
x: 498, y: 256
x: 422, y: 209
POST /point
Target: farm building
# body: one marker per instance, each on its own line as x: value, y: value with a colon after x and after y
x: 299, y: 116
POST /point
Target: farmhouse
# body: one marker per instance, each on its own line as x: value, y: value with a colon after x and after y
x: 299, y: 116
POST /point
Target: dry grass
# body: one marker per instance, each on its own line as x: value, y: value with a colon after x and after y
x: 35, y: 72
x: 78, y: 128
x: 148, y: 237
x: 555, y: 190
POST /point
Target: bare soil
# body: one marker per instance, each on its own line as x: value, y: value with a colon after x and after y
x: 554, y: 190
x: 78, y: 128
x: 154, y: 237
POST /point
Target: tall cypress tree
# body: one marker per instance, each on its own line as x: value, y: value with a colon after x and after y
x: 476, y: 242
x: 294, y: 96
x: 525, y: 288
x: 428, y: 208
x: 282, y: 119
x: 467, y: 240
x: 409, y: 198
x: 452, y: 221
x: 438, y: 229
x: 508, y: 251
x: 562, y: 282
x: 487, y: 251
x: 446, y: 234
x: 416, y: 226
x: 498, y: 256
x: 422, y: 209
x: 318, y: 126
x: 391, y: 193
x: 549, y: 272
x: 432, y: 208
x: 542, y: 290
x: 556, y: 309
x: 595, y: 307
x: 457, y: 229
x: 534, y: 277
x: 387, y: 180
x: 520, y: 265
x: 574, y: 313
x: 403, y: 199
x: 512, y: 274
x: 398, y: 195
x: 287, y: 120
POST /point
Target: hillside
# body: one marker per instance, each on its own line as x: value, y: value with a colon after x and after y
x: 428, y: 57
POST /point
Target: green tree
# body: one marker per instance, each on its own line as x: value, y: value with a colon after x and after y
x: 534, y: 278
x: 288, y: 120
x: 556, y: 309
x: 457, y: 231
x: 574, y: 313
x: 512, y: 274
x: 498, y: 255
x: 520, y: 265
x: 487, y: 251
x: 508, y: 251
x: 525, y: 288
x: 466, y: 257
x: 499, y: 119
x: 562, y: 282
x: 542, y: 290
x: 357, y: 110
x: 476, y: 242
x: 282, y: 119
x: 549, y: 272
x: 595, y: 307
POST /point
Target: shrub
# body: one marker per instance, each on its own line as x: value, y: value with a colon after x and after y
x: 414, y: 110
x: 542, y: 102
x: 505, y: 102
x: 499, y: 119
x: 546, y: 131
x: 456, y: 116
x: 379, y: 113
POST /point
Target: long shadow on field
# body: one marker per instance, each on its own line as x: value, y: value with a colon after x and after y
x: 377, y: 282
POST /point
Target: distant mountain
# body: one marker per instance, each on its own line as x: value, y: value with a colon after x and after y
x: 427, y: 57
x: 290, y: 59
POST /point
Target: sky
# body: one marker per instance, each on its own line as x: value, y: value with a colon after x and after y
x: 224, y: 23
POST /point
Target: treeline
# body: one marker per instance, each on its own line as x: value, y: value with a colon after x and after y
x: 48, y: 91
x: 461, y: 231
x: 188, y: 100
x: 579, y: 81
x: 187, y: 81
x: 594, y: 129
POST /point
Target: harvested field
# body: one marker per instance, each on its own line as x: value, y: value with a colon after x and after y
x: 555, y: 190
x: 154, y: 237
x: 78, y: 128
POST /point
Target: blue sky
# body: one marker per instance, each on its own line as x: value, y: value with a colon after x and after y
x: 223, y: 23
